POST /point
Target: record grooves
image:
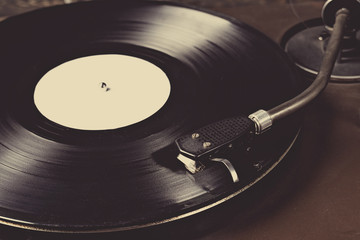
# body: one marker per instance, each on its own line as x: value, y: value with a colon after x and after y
x: 55, y: 178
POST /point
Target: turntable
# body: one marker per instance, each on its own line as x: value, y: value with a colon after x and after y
x: 125, y: 119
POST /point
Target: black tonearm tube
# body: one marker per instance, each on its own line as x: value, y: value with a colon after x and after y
x: 265, y: 119
x: 208, y: 141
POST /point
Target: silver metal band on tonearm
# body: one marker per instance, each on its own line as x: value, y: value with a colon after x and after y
x: 262, y: 121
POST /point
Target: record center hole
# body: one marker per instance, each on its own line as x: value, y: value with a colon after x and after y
x: 104, y: 86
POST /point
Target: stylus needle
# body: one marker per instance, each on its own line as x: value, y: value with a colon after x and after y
x: 207, y: 142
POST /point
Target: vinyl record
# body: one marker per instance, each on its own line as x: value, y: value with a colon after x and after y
x: 56, y: 177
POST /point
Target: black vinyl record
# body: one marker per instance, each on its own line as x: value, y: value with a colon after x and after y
x: 56, y: 178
